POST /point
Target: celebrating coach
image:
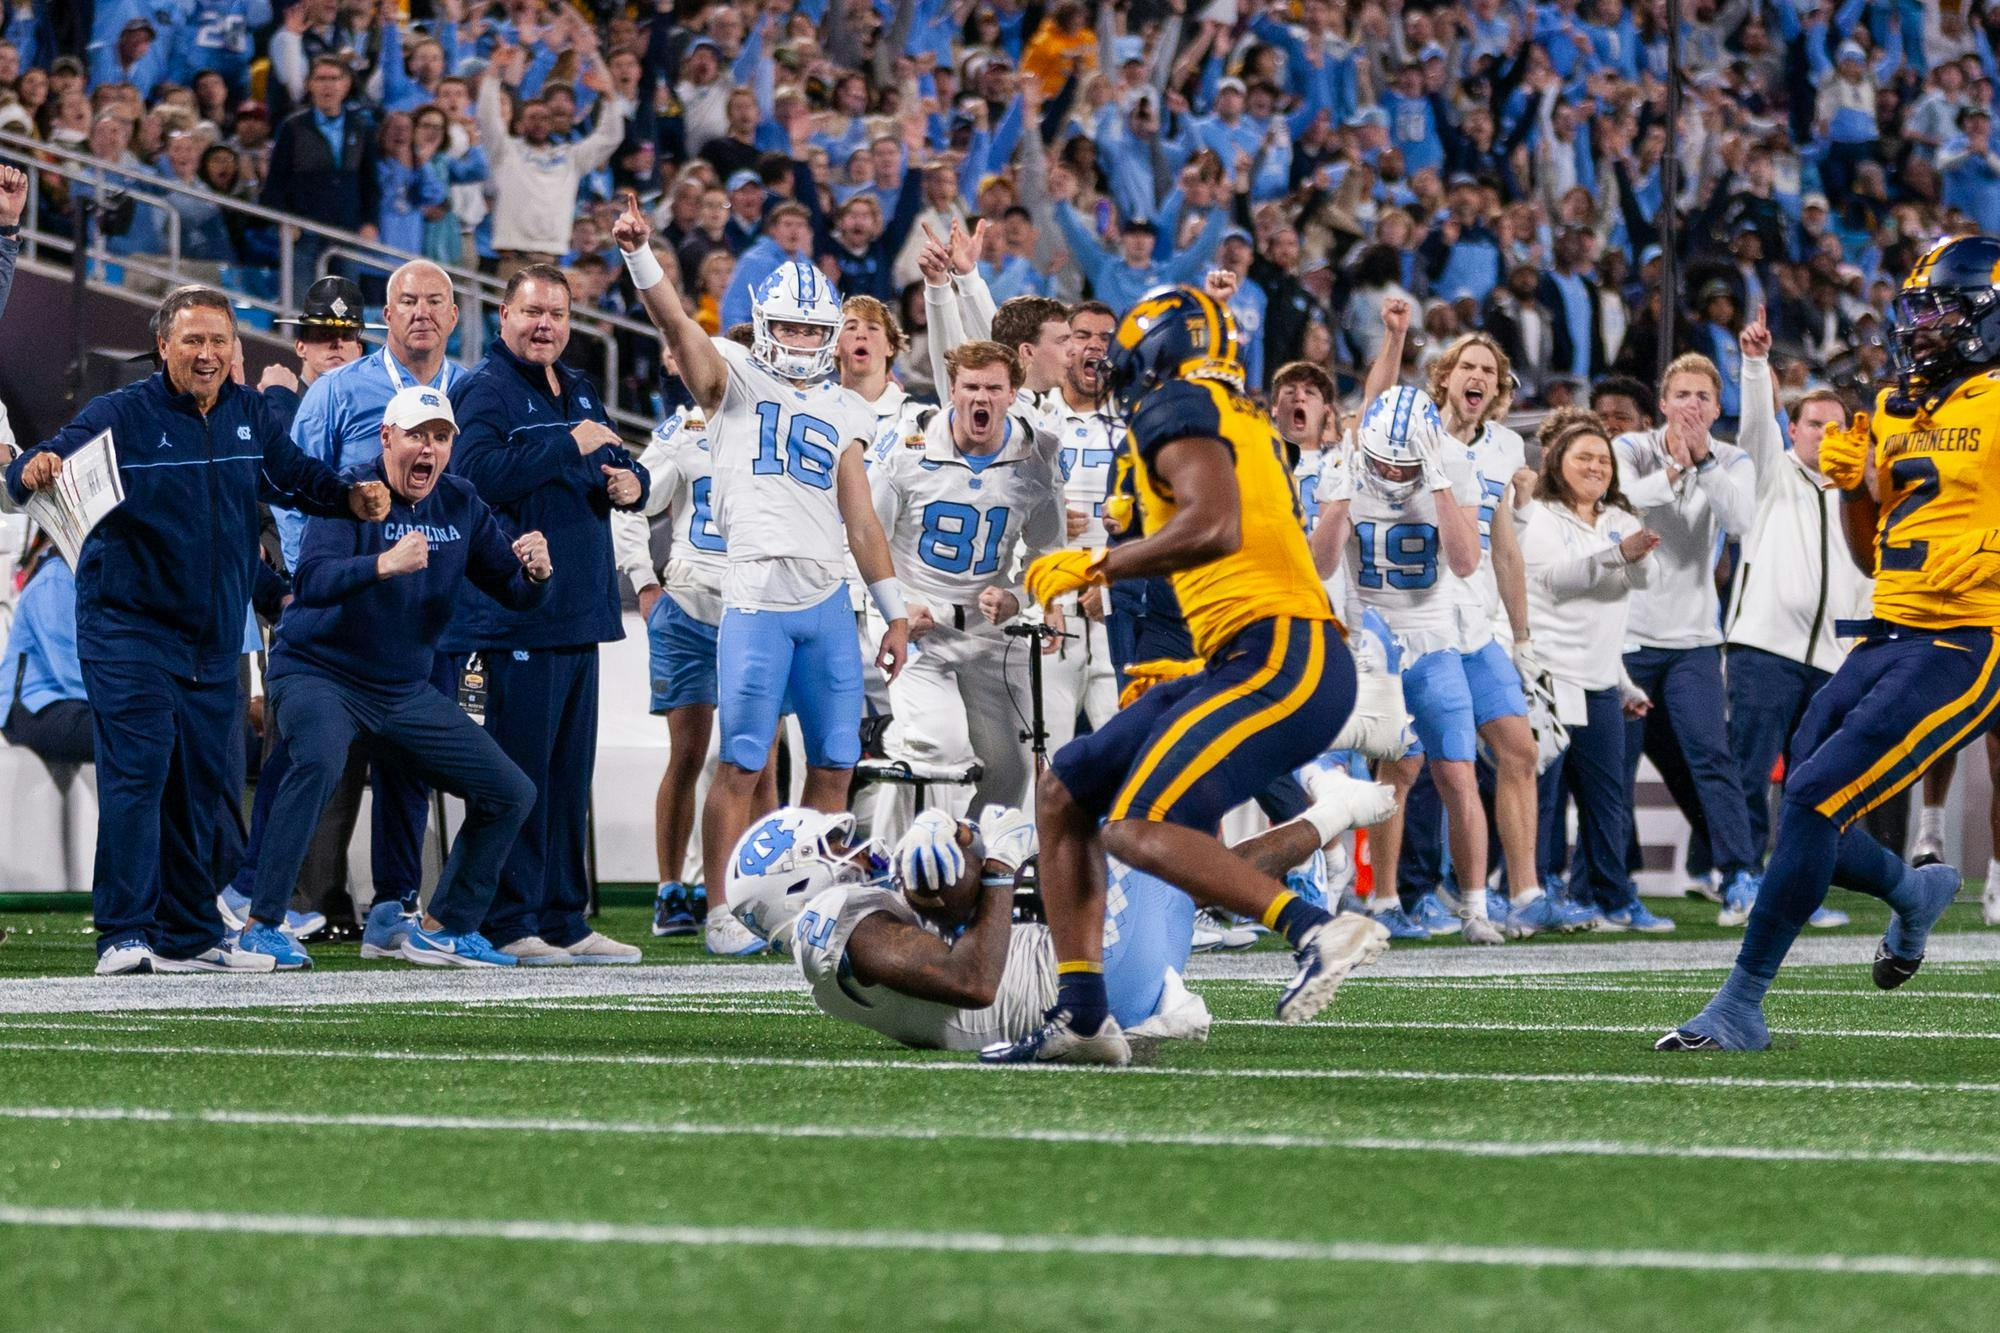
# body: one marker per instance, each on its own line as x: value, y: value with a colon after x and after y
x: 163, y: 585
x: 536, y: 443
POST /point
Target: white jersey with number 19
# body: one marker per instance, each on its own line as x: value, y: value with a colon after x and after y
x: 775, y: 444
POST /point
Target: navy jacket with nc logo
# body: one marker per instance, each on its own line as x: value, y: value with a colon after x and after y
x: 514, y: 445
x: 166, y: 577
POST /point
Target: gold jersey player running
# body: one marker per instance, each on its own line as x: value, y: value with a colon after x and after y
x: 1921, y: 482
x: 1218, y: 513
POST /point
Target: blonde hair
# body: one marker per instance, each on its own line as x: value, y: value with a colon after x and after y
x: 1448, y: 360
x: 871, y: 311
x: 1692, y: 363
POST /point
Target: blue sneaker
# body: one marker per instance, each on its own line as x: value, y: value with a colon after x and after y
x: 698, y: 903
x: 260, y: 938
x: 1056, y: 1042
x: 1498, y: 909
x: 1901, y: 951
x: 673, y: 914
x: 441, y: 948
x: 1739, y: 895
x: 1549, y: 914
x: 1435, y: 917
x: 1638, y: 917
x: 234, y: 907
x: 1826, y: 918
x: 1401, y: 925
x: 388, y: 926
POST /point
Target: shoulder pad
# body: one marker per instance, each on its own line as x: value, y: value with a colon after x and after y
x: 1176, y: 411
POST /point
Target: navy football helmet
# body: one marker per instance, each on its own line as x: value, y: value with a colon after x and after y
x: 1174, y: 333
x: 1947, y: 316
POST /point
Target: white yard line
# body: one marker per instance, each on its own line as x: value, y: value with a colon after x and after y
x: 429, y: 1123
x: 539, y: 1230
x: 394, y: 984
x: 1473, y: 1024
x: 922, y: 1066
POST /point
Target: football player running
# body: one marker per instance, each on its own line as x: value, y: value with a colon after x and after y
x: 1217, y: 512
x: 1403, y: 526
x: 1922, y: 509
x: 786, y: 445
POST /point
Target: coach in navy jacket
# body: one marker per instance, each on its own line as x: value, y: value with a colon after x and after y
x: 353, y: 659
x: 536, y: 442
x: 163, y: 585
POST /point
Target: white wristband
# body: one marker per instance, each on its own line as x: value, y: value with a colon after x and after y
x: 888, y: 595
x: 644, y: 266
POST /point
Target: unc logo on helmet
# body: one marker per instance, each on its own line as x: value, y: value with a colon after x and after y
x: 795, y: 294
x: 1947, y: 317
x: 1175, y: 333
x: 782, y: 861
x: 1397, y: 431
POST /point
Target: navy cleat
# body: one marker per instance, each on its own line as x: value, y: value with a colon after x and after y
x: 1719, y: 1030
x: 1901, y: 951
x: 1056, y: 1042
x: 673, y: 911
x: 1325, y: 958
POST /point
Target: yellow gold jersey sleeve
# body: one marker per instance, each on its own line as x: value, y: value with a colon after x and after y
x: 1271, y: 573
x: 1938, y: 478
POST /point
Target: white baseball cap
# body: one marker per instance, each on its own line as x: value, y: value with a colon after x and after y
x: 416, y: 405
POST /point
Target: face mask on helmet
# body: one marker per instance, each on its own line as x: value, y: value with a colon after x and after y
x: 1392, y: 463
x: 782, y: 861
x: 1929, y: 340
x: 796, y: 294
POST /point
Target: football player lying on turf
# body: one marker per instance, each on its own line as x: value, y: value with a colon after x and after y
x: 926, y: 950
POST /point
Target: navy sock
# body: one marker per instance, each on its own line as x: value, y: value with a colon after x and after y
x: 1294, y: 917
x: 1794, y: 886
x: 1866, y: 866
x: 1081, y: 991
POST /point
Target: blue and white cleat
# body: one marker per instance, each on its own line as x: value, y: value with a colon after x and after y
x: 1435, y: 917
x: 1640, y: 918
x: 1498, y: 909
x: 441, y: 948
x: 260, y: 938
x: 1056, y: 1042
x: 303, y: 925
x: 387, y: 927
x: 234, y: 907
x: 1828, y: 918
x: 1329, y: 953
x: 726, y: 937
x: 224, y: 957
x: 673, y: 912
x: 1401, y: 925
x: 1901, y: 951
x: 1739, y: 895
x: 1215, y: 933
x: 698, y: 903
x: 1549, y: 914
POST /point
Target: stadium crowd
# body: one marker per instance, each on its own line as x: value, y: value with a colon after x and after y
x: 1467, y: 197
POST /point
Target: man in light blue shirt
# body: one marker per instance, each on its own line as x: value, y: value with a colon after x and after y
x: 44, y: 707
x: 1119, y: 278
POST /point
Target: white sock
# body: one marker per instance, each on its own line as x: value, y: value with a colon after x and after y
x: 1993, y: 875
x: 1930, y: 823
x: 1472, y: 902
x: 1523, y: 897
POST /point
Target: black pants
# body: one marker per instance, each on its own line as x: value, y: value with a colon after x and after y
x: 60, y: 733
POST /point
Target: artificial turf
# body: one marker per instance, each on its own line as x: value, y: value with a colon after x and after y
x: 1611, y: 1187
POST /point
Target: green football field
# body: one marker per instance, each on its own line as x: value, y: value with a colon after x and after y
x: 1468, y: 1139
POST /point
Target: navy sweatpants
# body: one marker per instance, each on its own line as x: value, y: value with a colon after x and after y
x: 1593, y: 768
x: 1689, y: 719
x: 1768, y: 697
x: 422, y: 733
x: 541, y: 707
x: 164, y: 779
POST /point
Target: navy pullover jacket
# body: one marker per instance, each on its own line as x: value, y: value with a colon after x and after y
x: 166, y: 577
x: 348, y: 622
x: 514, y: 446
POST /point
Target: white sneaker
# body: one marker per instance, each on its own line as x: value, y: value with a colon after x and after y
x: 596, y: 948
x: 1357, y: 804
x: 126, y: 959
x: 1212, y: 932
x: 1481, y: 930
x: 224, y: 957
x: 534, y: 951
x: 1989, y: 903
x: 728, y: 937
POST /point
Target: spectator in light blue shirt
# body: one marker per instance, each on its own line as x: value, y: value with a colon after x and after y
x: 1413, y: 126
x: 1119, y: 278
x: 1971, y: 170
x: 137, y: 57
x: 42, y: 702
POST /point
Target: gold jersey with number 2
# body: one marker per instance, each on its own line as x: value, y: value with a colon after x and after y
x: 1271, y: 573
x: 1938, y: 478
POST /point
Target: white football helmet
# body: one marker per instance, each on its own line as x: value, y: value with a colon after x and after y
x: 781, y: 861
x: 795, y: 293
x: 1399, y: 430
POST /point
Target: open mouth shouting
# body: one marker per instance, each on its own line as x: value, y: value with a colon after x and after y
x: 1475, y: 396
x: 423, y: 471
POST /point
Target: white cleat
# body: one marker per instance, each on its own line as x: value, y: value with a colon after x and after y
x: 1325, y: 959
x: 534, y: 951
x: 224, y: 957
x: 727, y: 937
x: 1356, y: 804
x: 126, y: 960
x: 596, y: 949
x: 1481, y: 930
x: 1056, y: 1042
x: 1212, y: 934
x: 1989, y: 903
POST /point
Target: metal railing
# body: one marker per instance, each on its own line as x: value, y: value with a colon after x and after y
x: 477, y: 293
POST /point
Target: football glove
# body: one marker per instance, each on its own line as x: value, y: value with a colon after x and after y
x: 1843, y: 453
x: 1143, y: 676
x: 1379, y: 725
x: 1966, y: 561
x: 1009, y: 835
x: 929, y: 859
x: 1527, y: 662
x: 1064, y: 571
